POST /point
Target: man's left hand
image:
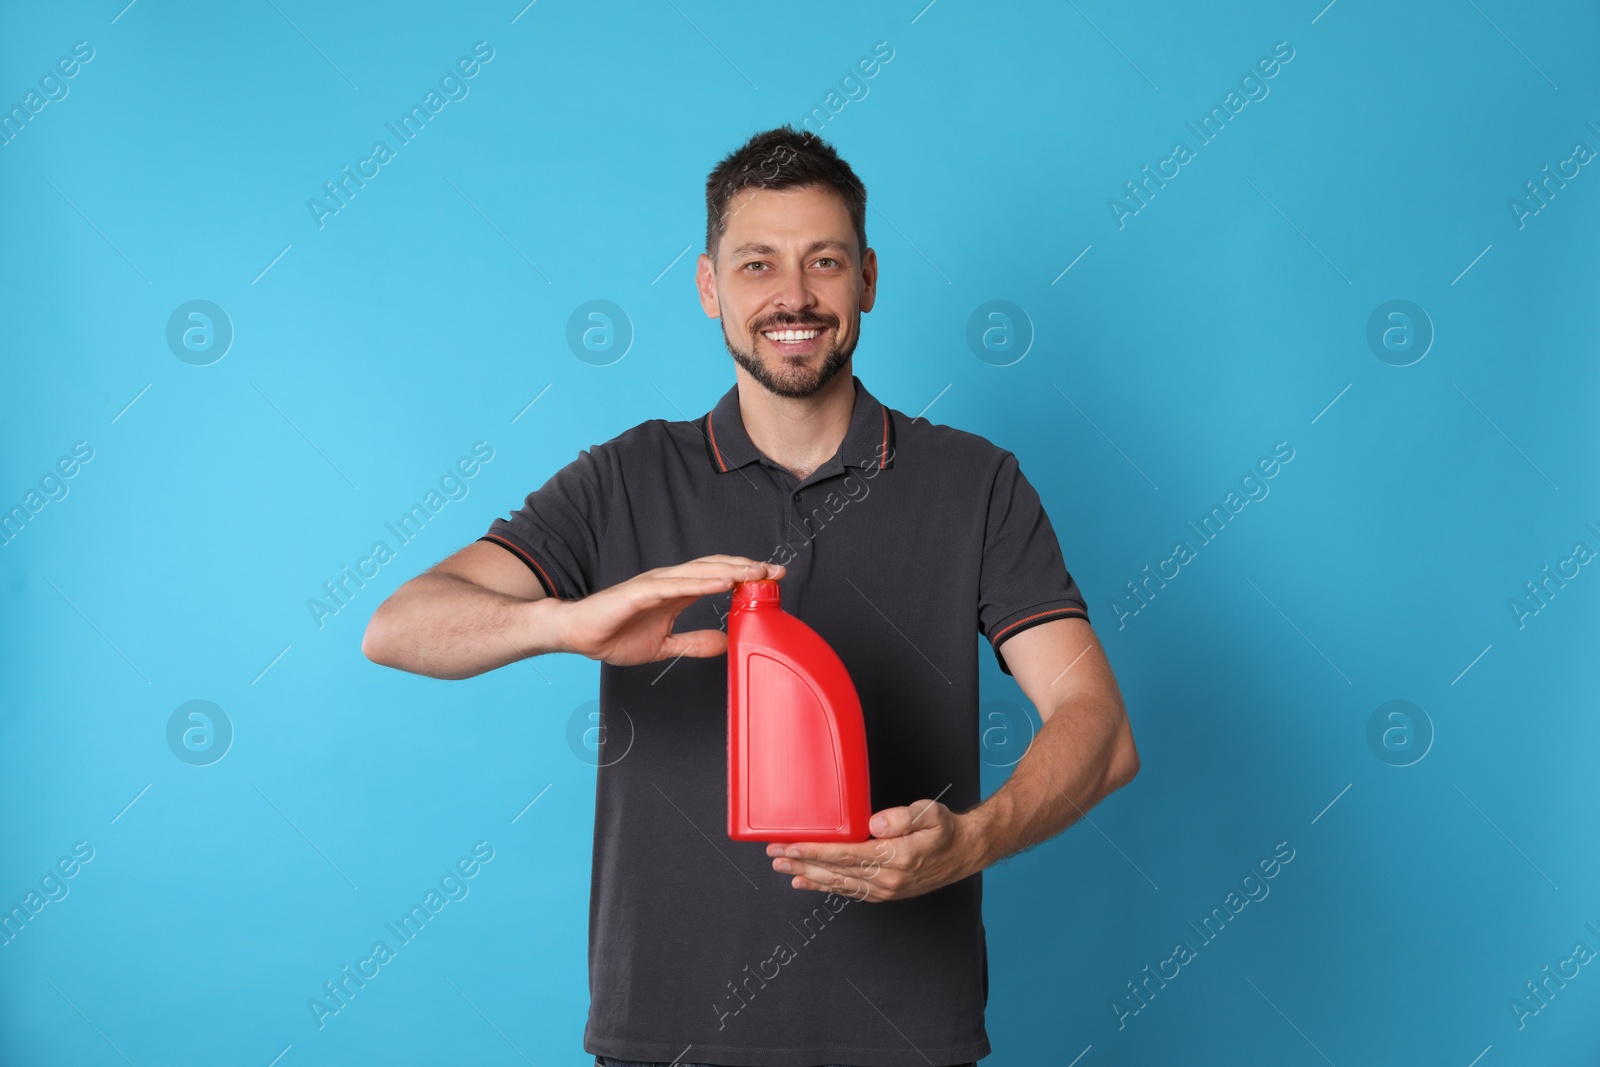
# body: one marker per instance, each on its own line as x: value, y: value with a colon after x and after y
x: 913, y: 850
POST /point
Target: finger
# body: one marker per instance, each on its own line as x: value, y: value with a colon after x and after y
x: 874, y: 871
x: 861, y: 891
x: 840, y: 855
x: 719, y: 563
x: 826, y: 873
x: 830, y: 880
x: 736, y: 567
x: 707, y: 566
x: 749, y: 572
x: 722, y: 557
x: 663, y: 590
x: 697, y: 644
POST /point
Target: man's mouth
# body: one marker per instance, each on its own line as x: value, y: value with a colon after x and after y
x: 794, y: 340
x: 791, y: 335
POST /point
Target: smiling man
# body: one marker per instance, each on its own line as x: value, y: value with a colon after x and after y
x: 899, y: 541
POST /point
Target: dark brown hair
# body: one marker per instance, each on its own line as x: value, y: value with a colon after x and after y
x: 782, y: 158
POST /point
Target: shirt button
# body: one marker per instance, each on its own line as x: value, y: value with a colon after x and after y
x: 796, y: 498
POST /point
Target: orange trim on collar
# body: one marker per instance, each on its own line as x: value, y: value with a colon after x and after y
x: 713, y: 435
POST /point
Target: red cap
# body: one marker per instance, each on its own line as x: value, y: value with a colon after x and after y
x: 762, y: 593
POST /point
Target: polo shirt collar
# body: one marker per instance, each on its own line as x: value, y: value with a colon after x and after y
x: 869, y: 441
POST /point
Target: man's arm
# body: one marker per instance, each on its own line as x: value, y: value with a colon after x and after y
x: 1084, y: 750
x: 482, y: 608
x: 1082, y: 753
x: 479, y: 609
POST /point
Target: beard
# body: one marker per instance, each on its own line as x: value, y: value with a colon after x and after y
x: 795, y: 377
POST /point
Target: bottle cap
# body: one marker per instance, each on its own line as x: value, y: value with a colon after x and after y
x: 762, y: 593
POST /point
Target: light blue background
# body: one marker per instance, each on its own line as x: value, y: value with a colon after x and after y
x: 1227, y: 315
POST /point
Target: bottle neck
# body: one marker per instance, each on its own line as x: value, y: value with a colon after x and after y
x: 760, y: 595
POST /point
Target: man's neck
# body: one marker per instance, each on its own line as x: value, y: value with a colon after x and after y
x: 797, y: 434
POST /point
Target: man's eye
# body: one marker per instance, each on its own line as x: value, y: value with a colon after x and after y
x: 827, y: 259
x: 749, y: 265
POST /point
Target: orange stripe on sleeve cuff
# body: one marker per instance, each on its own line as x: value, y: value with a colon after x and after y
x: 543, y: 576
x: 1000, y: 635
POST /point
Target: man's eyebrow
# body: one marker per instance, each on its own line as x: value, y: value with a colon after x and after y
x: 754, y: 248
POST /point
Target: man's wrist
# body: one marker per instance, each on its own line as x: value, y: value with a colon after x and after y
x: 984, y: 825
x: 543, y: 626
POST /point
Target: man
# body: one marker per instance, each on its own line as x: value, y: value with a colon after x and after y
x: 895, y: 539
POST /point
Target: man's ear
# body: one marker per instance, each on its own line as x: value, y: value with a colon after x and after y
x: 705, y: 281
x: 869, y: 280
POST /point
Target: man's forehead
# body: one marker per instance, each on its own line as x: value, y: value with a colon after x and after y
x: 764, y: 219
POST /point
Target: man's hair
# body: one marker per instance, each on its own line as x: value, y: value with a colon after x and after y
x: 782, y: 158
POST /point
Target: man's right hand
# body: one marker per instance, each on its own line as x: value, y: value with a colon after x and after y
x: 483, y: 608
x: 631, y: 622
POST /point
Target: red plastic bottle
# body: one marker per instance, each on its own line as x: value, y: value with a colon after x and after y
x: 797, y: 744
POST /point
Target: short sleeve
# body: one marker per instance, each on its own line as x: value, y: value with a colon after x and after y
x: 557, y: 531
x: 1023, y: 580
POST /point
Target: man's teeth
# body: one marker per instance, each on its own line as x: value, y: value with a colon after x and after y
x: 790, y: 336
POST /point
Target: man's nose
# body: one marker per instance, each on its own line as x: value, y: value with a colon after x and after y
x: 794, y: 293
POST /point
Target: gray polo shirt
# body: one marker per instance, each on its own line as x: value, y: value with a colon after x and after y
x: 913, y: 539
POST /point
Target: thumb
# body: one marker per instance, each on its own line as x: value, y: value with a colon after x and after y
x: 891, y: 822
x: 700, y: 644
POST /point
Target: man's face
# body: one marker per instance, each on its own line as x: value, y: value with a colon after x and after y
x: 788, y: 261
